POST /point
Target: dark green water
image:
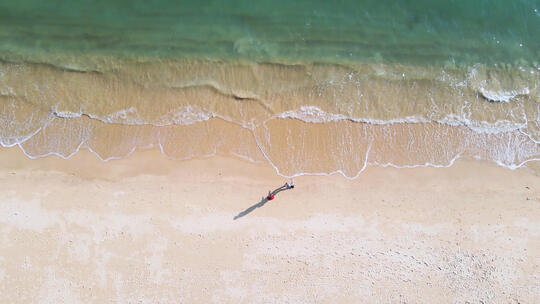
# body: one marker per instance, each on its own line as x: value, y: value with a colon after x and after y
x: 410, y: 32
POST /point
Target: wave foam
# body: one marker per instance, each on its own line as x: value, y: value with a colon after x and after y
x: 502, y: 96
x: 312, y: 114
x: 188, y: 115
x: 67, y: 114
x: 128, y: 115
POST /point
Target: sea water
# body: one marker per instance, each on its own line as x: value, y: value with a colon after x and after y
x: 311, y: 87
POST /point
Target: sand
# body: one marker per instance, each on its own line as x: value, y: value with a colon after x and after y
x: 151, y: 230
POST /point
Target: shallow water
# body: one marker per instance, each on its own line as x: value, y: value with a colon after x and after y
x: 308, y: 87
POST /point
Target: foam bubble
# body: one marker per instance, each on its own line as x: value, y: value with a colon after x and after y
x: 127, y: 115
x: 312, y: 114
x: 187, y: 115
x: 66, y: 114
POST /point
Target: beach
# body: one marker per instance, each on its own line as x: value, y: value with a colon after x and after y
x: 139, y: 141
x: 147, y: 229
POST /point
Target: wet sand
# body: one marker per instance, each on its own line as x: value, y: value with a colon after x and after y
x: 151, y: 230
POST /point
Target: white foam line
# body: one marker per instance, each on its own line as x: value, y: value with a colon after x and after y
x: 112, y: 157
x: 243, y: 157
x: 514, y: 167
x: 424, y: 165
x: 312, y: 114
x: 502, y: 96
x: 16, y: 142
x: 276, y: 169
x: 167, y: 156
x: 51, y: 153
x: 108, y: 120
x: 529, y: 136
x: 27, y: 137
x: 366, y: 163
x: 339, y: 171
x: 278, y: 172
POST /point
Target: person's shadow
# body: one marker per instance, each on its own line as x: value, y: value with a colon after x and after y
x: 263, y: 201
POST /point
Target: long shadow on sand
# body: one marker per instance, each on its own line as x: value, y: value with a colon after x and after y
x: 263, y: 201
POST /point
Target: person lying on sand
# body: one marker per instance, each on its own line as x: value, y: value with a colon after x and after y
x: 272, y: 194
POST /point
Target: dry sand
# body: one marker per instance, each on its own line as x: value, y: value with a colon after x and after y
x: 151, y: 230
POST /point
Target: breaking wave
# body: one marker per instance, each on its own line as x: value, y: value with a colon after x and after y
x: 302, y: 119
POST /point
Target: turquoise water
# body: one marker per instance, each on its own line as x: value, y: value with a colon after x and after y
x: 417, y: 32
x: 311, y: 87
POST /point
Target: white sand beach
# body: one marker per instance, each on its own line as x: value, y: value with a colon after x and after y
x: 151, y: 230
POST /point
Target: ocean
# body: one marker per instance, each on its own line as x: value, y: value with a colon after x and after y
x: 309, y: 87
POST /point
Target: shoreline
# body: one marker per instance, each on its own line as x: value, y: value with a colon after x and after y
x: 293, y: 147
x: 312, y: 118
x: 151, y: 229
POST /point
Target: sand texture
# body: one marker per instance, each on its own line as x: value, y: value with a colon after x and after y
x: 150, y: 230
